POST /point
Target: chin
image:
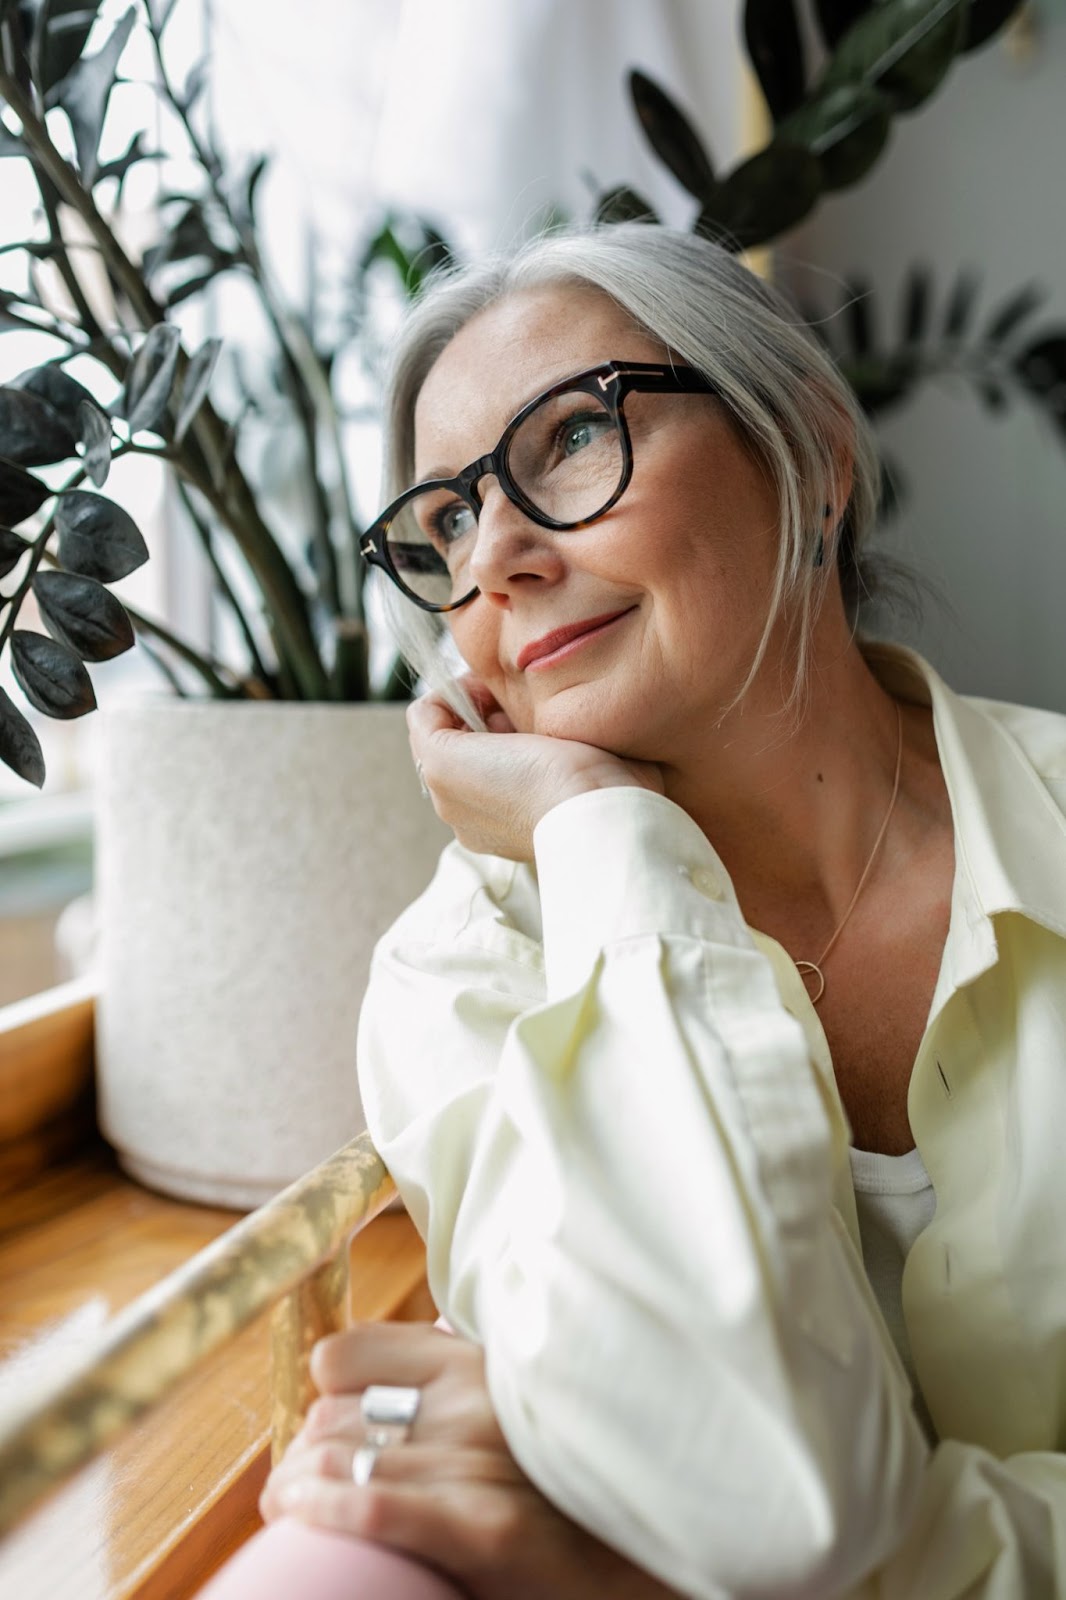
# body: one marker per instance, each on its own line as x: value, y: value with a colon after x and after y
x: 616, y: 729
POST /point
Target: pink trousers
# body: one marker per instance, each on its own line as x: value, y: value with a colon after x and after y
x: 290, y: 1561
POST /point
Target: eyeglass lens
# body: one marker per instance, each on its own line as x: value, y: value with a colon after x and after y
x: 566, y: 458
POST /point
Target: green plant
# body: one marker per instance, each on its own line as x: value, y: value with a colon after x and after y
x: 833, y: 101
x: 304, y: 631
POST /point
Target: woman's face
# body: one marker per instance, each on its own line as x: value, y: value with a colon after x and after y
x: 683, y: 561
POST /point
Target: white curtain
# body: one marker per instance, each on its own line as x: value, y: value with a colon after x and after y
x: 478, y: 113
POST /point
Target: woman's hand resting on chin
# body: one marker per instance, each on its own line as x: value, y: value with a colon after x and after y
x: 493, y: 788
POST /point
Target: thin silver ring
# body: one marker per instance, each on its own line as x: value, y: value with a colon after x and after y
x: 421, y: 781
x: 363, y: 1465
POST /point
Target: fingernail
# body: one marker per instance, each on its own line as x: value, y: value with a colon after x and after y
x: 292, y: 1495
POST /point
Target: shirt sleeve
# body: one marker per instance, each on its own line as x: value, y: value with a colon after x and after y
x: 619, y: 1154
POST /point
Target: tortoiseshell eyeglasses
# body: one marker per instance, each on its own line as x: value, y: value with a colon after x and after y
x: 564, y: 460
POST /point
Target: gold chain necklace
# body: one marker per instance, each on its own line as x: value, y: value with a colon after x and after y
x: 809, y: 968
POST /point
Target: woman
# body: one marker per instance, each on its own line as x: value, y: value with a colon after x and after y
x: 748, y: 960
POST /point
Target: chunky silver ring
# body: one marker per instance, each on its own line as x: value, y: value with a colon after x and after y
x: 388, y: 1413
x: 421, y: 781
x: 363, y: 1465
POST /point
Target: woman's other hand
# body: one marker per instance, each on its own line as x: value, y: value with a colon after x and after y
x: 493, y: 788
x: 452, y: 1495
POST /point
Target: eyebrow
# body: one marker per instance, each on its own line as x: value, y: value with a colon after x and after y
x: 543, y: 387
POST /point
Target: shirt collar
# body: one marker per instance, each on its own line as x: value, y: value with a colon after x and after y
x: 1010, y: 833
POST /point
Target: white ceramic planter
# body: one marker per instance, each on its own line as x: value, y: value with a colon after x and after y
x: 248, y: 856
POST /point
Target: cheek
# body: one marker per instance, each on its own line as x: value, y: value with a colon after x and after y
x: 477, y: 640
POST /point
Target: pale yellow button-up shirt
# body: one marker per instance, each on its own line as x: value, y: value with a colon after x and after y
x: 610, y: 1108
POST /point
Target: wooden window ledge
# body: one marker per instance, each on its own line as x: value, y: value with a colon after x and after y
x: 158, y: 1512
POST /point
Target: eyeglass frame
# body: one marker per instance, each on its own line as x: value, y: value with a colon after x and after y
x: 609, y: 381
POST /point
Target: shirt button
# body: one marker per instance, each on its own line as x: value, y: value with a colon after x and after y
x: 708, y: 883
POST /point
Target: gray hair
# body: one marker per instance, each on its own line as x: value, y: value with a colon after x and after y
x: 783, y: 394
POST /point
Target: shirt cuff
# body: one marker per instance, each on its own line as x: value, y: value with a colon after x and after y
x: 626, y: 863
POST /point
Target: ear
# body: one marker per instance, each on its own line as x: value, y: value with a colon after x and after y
x: 839, y: 489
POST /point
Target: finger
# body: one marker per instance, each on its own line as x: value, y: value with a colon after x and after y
x: 431, y: 714
x: 479, y: 692
x: 334, y: 1415
x: 410, y: 1354
x: 453, y: 1529
x: 441, y: 1464
x: 331, y: 1460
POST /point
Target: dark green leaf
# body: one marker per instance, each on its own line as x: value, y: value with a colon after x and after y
x: 121, y: 165
x: 20, y: 748
x: 94, y: 432
x: 31, y: 433
x: 159, y: 11
x: 624, y: 205
x: 435, y: 252
x: 903, y: 47
x: 18, y: 19
x: 83, y: 615
x: 762, y: 197
x: 61, y: 34
x: 57, y: 389
x: 98, y: 538
x: 1013, y: 312
x: 384, y: 246
x: 243, y: 191
x: 917, y: 293
x: 985, y: 18
x: 187, y: 239
x: 12, y: 549
x: 892, y: 491
x: 672, y: 136
x: 195, y: 84
x: 991, y: 393
x: 150, y: 378
x: 857, y: 318
x: 772, y: 35
x: 85, y: 91
x: 881, y: 381
x: 835, y: 17
x: 197, y: 382
x: 11, y: 144
x: 51, y: 676
x: 195, y: 285
x: 21, y: 494
x: 846, y: 128
x: 1042, y: 369
x: 960, y: 306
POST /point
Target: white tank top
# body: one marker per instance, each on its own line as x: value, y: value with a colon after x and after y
x: 894, y: 1199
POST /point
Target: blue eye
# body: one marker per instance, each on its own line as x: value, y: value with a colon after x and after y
x: 581, y: 431
x: 453, y: 521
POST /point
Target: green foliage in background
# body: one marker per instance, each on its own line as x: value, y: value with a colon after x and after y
x: 833, y: 101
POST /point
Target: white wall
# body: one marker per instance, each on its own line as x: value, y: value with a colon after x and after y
x: 977, y: 178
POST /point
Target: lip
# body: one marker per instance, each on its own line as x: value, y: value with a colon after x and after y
x: 554, y: 643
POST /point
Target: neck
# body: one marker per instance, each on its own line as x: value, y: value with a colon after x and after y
x: 794, y: 809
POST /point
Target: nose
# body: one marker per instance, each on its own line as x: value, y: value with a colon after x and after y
x: 510, y: 549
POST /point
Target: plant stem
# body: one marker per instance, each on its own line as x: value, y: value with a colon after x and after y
x: 163, y: 667
x: 208, y: 669
x: 301, y: 362
x: 64, y: 263
x: 208, y: 543
x: 15, y: 599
